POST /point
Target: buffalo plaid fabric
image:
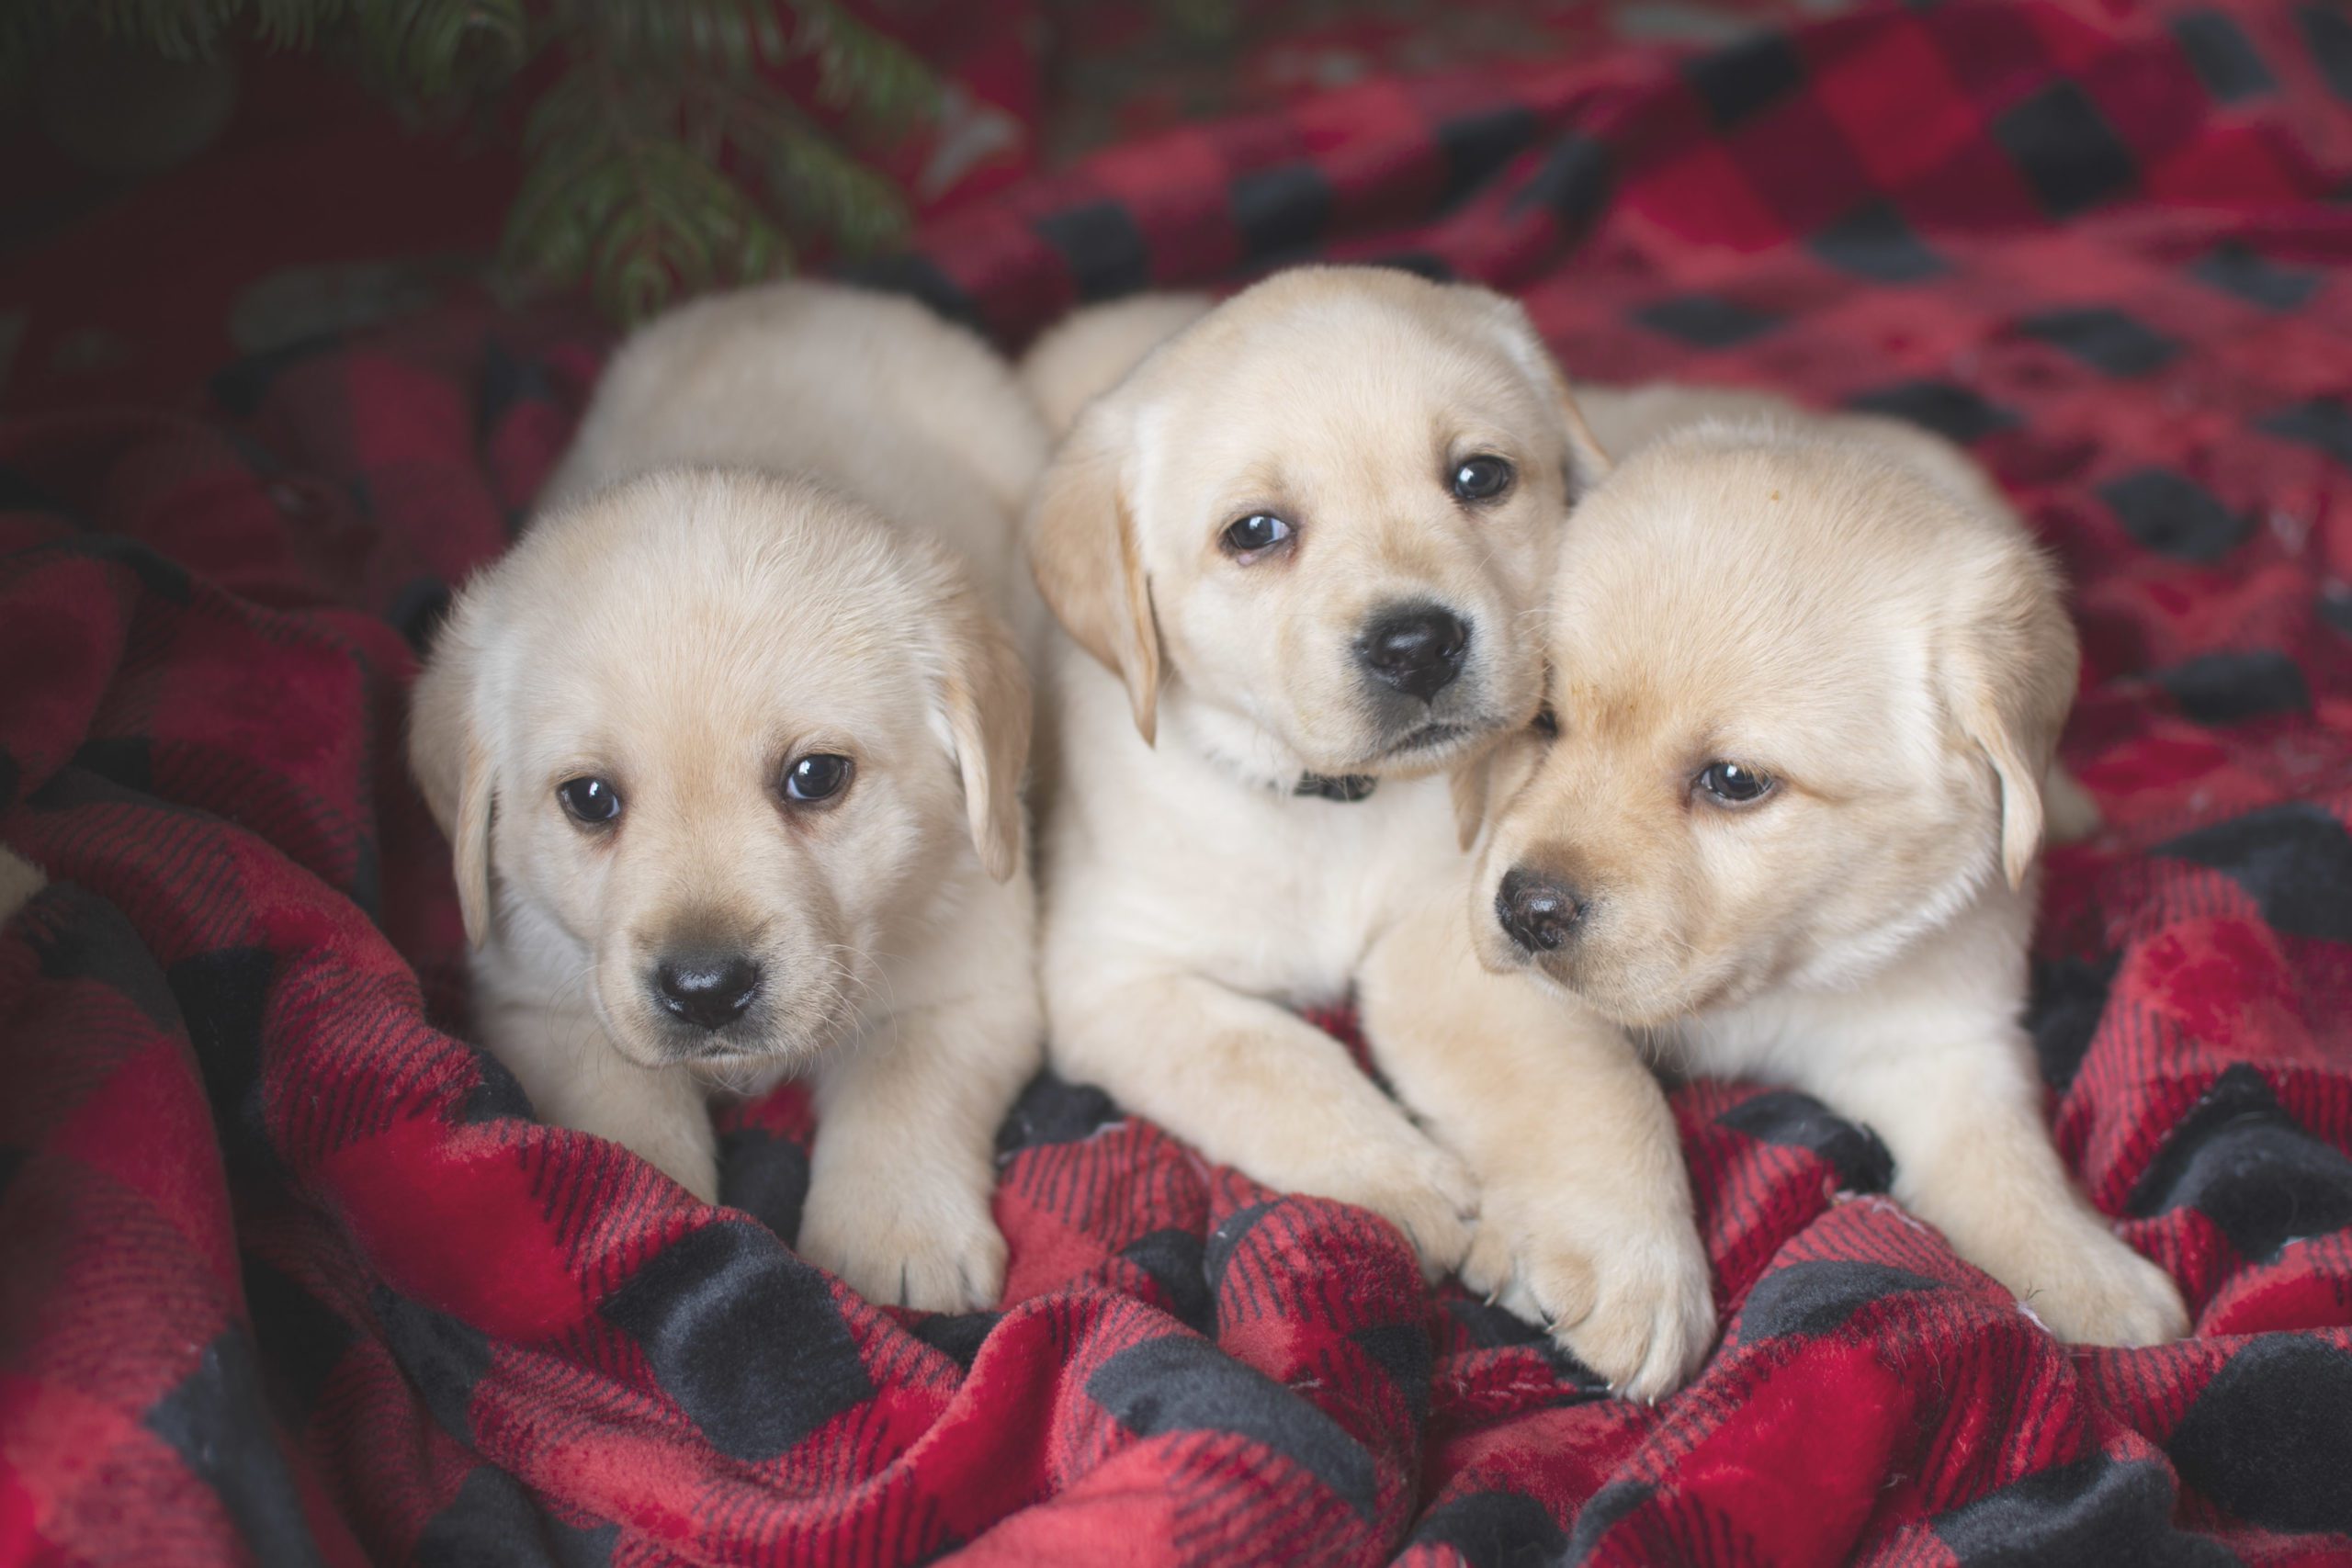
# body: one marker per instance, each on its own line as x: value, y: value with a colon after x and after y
x: 288, y: 1274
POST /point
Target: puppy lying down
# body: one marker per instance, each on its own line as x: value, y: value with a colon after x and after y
x: 1782, y: 819
x: 1301, y: 550
x: 729, y: 762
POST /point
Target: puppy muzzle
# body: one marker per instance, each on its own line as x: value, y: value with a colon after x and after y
x: 1540, y: 914
x: 704, y: 989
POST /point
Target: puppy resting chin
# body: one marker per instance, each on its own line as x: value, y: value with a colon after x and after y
x: 701, y: 822
x: 1635, y: 992
x: 804, y: 1006
x: 1809, y: 680
x: 775, y: 1039
x: 1261, y: 748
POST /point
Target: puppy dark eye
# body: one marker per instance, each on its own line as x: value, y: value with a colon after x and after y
x: 591, y: 802
x: 817, y: 777
x: 1728, y: 783
x: 1254, y: 535
x: 1482, y: 477
x: 1547, y: 723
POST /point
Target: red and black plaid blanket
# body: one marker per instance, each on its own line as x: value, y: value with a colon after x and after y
x: 287, y: 1275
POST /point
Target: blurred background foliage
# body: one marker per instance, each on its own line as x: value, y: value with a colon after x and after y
x: 670, y: 146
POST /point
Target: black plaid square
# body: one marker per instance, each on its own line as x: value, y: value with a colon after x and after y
x: 1420, y: 263
x: 913, y: 274
x: 2223, y: 57
x: 2323, y: 423
x: 2328, y: 30
x: 1573, y: 182
x: 2174, y: 515
x: 2235, y: 687
x: 1103, y: 248
x: 2103, y: 339
x: 2294, y: 859
x: 1954, y: 412
x: 1706, y: 321
x: 2335, y: 607
x: 2064, y: 147
x: 1873, y: 242
x: 1281, y: 208
x: 218, y: 1421
x: 1737, y: 82
x: 2284, y: 1473
x: 2235, y: 269
x: 1475, y: 145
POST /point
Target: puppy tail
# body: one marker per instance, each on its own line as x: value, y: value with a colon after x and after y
x: 1092, y: 351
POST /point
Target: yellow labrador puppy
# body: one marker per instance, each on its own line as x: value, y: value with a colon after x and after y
x: 1301, y: 552
x: 730, y: 756
x: 1782, y: 817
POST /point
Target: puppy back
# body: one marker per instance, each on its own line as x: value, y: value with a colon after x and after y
x: 1092, y: 351
x: 870, y: 394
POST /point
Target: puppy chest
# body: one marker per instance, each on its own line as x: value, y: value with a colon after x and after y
x: 1287, y: 905
x: 1276, y: 934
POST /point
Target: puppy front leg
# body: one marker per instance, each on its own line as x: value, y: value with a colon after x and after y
x: 575, y: 1079
x: 904, y: 1171
x: 1586, y: 1222
x: 1972, y: 1158
x: 1253, y: 1086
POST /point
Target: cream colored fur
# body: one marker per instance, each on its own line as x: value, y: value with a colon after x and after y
x: 1090, y: 352
x: 1847, y: 608
x: 1191, y: 901
x: 784, y: 530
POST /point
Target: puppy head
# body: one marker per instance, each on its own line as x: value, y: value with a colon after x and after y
x: 1316, y: 518
x: 702, y: 744
x: 1803, y: 698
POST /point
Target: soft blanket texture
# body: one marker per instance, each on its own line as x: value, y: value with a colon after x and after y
x: 288, y: 1275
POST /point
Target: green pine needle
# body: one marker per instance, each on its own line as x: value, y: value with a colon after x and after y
x: 659, y: 163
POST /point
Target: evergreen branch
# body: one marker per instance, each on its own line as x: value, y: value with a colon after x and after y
x: 736, y: 35
x: 618, y: 197
x: 809, y: 178
x: 659, y: 161
x: 426, y: 45
x: 178, y: 29
x: 422, y: 46
x: 860, y: 70
x: 297, y: 24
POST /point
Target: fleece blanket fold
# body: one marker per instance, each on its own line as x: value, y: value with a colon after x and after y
x: 288, y: 1274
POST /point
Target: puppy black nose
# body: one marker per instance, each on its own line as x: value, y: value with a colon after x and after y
x: 709, y: 990
x: 1417, y: 649
x: 1536, y: 912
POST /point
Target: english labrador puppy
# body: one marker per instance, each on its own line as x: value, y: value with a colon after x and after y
x: 730, y: 748
x: 1301, y: 550
x: 1781, y: 818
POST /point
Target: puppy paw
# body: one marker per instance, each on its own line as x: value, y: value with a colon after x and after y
x: 1407, y: 1180
x: 2108, y: 1295
x: 905, y: 1237
x: 1628, y: 1297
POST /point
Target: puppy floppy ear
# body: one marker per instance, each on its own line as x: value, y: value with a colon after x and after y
x: 984, y: 698
x: 1087, y: 563
x: 1587, y: 463
x: 447, y: 753
x: 1495, y: 773
x: 1584, y: 461
x: 1471, y: 785
x: 2010, y: 682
